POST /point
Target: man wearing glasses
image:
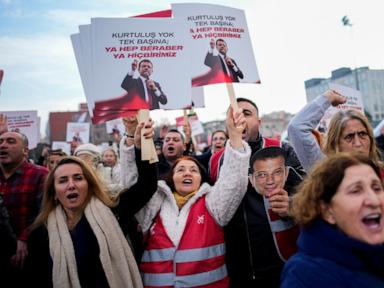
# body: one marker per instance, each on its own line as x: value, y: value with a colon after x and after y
x: 251, y: 255
x: 268, y: 175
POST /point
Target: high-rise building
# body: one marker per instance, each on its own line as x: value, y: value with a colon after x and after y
x: 369, y: 82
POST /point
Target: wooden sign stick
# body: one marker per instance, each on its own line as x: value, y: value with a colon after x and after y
x: 148, y: 150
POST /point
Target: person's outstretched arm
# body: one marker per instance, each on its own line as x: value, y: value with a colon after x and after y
x: 231, y: 186
x: 135, y: 197
x: 300, y: 128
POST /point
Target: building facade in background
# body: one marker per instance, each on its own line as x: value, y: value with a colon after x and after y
x: 57, y: 126
x: 274, y: 124
x: 368, y: 81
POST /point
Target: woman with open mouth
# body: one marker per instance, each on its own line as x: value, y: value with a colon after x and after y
x: 184, y: 219
x: 349, y: 131
x: 77, y: 241
x: 340, y: 207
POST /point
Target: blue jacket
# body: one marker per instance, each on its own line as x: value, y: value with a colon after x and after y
x: 329, y: 258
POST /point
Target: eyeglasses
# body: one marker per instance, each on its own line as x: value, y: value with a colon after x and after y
x: 363, y: 135
x: 262, y: 176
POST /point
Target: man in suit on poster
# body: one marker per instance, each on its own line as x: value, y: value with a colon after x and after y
x: 217, y: 58
x: 146, y: 88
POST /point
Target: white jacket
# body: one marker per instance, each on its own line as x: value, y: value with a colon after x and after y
x: 222, y: 199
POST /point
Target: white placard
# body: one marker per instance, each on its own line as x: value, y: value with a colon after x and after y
x: 115, y: 126
x: 117, y: 43
x: 230, y: 57
x: 354, y: 101
x: 78, y: 132
x: 25, y: 122
x: 196, y: 126
x: 64, y: 146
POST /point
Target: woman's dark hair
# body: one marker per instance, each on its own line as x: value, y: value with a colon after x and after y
x: 203, y: 172
x: 322, y: 183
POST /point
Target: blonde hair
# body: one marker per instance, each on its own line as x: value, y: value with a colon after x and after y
x: 109, y: 148
x: 337, y: 126
x: 322, y: 184
x: 95, y: 188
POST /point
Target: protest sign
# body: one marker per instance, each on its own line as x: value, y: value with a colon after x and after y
x: 118, y: 42
x: 220, y: 39
x: 78, y: 132
x: 198, y: 97
x: 119, y: 46
x: 25, y: 122
x: 196, y: 126
x: 63, y: 146
x: 84, y: 45
x: 354, y: 101
x: 115, y: 126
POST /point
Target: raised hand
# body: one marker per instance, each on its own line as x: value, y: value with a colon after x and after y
x: 134, y: 65
x: 335, y: 98
x: 163, y: 130
x: 148, y: 132
x: 187, y: 131
x: 130, y: 123
x: 212, y: 43
x: 236, y: 124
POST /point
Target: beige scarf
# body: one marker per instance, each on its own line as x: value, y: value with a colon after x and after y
x: 115, y: 254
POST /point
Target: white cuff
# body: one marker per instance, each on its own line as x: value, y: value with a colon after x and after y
x: 157, y: 93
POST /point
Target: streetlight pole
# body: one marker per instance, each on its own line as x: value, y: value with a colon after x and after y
x: 347, y: 23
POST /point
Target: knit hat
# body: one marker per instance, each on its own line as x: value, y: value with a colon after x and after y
x: 88, y: 149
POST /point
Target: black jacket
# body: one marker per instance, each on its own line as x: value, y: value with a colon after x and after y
x: 251, y: 256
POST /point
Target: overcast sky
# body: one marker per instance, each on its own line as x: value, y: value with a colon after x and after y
x: 293, y: 41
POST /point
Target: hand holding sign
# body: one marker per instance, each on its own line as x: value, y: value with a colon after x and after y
x: 163, y: 130
x: 148, y: 150
x: 130, y: 123
x: 143, y: 129
x: 235, y: 125
x: 187, y: 128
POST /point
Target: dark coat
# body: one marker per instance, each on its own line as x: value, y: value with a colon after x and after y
x: 215, y: 62
x: 329, y: 258
x: 39, y: 262
x: 136, y: 87
x: 251, y: 256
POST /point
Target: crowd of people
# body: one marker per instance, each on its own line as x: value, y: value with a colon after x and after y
x: 250, y: 211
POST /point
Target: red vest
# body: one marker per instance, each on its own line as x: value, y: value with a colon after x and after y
x: 198, y: 261
x: 217, y: 158
x: 284, y: 231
